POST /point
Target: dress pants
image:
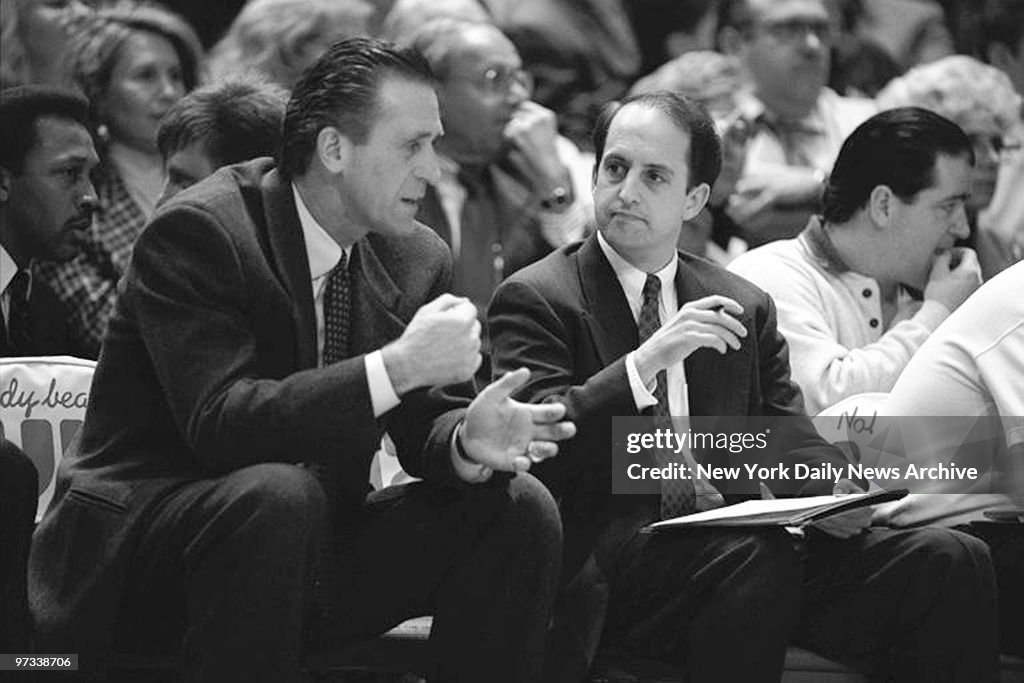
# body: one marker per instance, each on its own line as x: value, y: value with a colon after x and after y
x: 18, y: 498
x: 903, y: 605
x: 229, y: 562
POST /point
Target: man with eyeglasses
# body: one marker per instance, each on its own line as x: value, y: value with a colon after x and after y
x: 1002, y: 45
x: 793, y: 124
x: 511, y: 188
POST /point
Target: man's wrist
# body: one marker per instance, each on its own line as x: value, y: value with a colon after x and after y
x: 397, y: 368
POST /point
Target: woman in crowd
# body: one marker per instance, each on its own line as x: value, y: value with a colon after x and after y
x: 33, y: 34
x: 133, y: 61
x: 981, y: 100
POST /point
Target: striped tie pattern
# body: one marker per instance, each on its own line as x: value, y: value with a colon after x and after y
x: 677, y: 495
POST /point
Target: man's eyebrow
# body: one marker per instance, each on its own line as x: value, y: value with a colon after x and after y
x: 961, y: 196
x: 72, y: 157
x: 662, y: 168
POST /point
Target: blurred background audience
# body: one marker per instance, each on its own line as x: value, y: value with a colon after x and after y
x: 982, y: 100
x: 278, y: 39
x: 132, y: 61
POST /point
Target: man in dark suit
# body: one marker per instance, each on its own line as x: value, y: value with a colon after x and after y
x: 586, y: 321
x: 273, y: 324
x: 46, y: 205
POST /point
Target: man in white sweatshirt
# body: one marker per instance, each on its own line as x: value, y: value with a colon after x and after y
x: 862, y: 287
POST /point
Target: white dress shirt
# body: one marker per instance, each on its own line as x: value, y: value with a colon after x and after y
x: 632, y: 280
x: 323, y: 254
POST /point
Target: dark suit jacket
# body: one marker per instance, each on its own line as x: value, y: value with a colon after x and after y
x: 567, y: 319
x: 51, y: 335
x: 210, y: 365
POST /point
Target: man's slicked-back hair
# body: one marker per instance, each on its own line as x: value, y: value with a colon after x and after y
x: 22, y: 106
x: 705, y: 160
x: 340, y: 90
x: 234, y: 120
x: 896, y: 148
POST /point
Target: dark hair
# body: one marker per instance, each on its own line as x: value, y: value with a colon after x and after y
x: 22, y: 106
x: 705, y: 160
x: 235, y: 119
x: 896, y: 148
x: 1002, y: 21
x: 340, y: 90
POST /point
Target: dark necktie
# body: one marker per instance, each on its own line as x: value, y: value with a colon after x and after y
x: 677, y: 495
x: 337, y: 326
x: 19, y: 317
x: 337, y: 308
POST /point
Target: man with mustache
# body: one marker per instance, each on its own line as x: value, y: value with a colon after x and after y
x: 864, y: 284
x: 46, y: 206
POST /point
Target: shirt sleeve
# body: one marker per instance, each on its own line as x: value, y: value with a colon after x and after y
x: 382, y: 392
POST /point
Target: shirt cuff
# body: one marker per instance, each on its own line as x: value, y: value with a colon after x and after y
x: 642, y: 397
x: 382, y: 393
x: 465, y: 469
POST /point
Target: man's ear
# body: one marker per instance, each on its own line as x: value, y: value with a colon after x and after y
x: 881, y: 204
x: 5, y: 185
x: 696, y: 200
x: 333, y: 149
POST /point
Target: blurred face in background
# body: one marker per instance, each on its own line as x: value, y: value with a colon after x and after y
x: 43, y: 28
x: 483, y: 86
x: 146, y: 80
x: 786, y: 50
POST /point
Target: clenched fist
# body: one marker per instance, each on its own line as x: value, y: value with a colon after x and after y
x: 440, y: 346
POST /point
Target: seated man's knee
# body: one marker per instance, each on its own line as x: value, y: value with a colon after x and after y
x: 951, y: 555
x: 279, y: 495
x: 533, y: 505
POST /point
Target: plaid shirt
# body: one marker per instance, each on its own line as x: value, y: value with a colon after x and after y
x: 87, y: 284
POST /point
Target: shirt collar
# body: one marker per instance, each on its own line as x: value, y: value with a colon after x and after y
x: 321, y: 249
x: 820, y: 245
x: 8, y: 268
x: 631, y: 278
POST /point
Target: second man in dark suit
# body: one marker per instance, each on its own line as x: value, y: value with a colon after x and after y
x: 720, y: 605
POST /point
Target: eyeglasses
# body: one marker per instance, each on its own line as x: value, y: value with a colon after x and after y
x: 796, y: 30
x: 499, y: 81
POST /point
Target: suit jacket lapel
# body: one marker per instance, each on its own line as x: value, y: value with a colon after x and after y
x: 379, y: 310
x: 288, y: 251
x: 716, y: 384
x: 605, y: 307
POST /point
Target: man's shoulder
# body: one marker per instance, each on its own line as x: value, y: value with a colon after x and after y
x: 556, y: 274
x: 719, y: 280
x: 770, y: 260
x: 422, y: 247
x: 230, y: 191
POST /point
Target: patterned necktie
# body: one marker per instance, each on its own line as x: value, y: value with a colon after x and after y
x: 337, y: 325
x: 677, y: 495
x: 19, y: 316
x: 337, y: 309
